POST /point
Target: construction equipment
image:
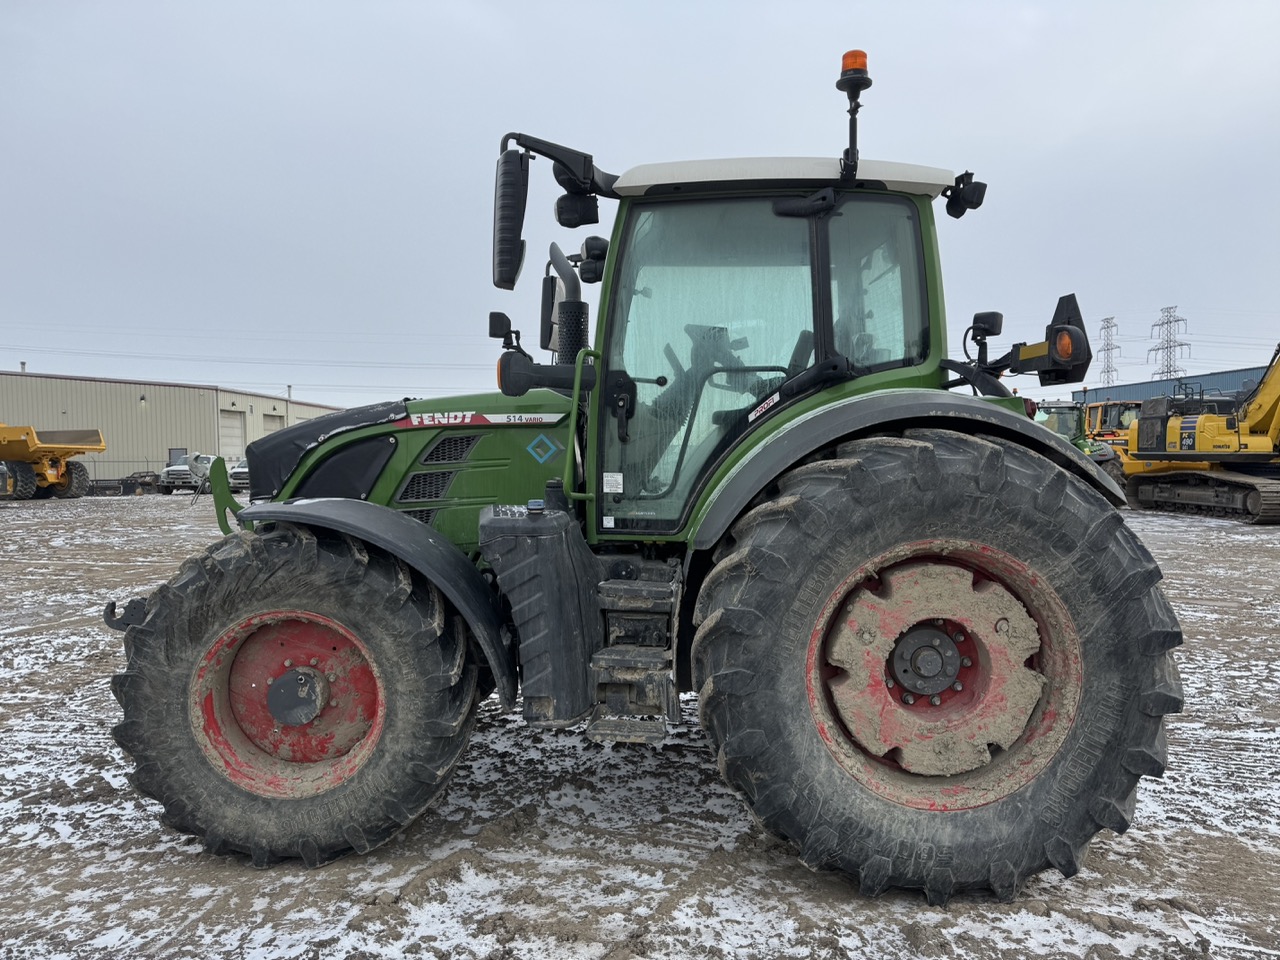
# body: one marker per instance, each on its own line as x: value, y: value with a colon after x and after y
x: 1067, y: 419
x: 926, y: 650
x: 1212, y: 455
x: 40, y: 464
x: 1109, y: 420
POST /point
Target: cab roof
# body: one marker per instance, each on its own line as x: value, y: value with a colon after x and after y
x: 662, y: 177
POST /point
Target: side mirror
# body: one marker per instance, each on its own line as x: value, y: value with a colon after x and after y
x: 510, y: 194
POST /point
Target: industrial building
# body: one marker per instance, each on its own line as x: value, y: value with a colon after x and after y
x: 147, y: 424
x: 1221, y: 383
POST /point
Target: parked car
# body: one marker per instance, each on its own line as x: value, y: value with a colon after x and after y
x: 239, y: 476
x: 179, y: 476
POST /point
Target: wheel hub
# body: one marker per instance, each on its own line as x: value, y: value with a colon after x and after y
x: 289, y: 703
x: 906, y: 694
x: 925, y: 660
x: 298, y: 696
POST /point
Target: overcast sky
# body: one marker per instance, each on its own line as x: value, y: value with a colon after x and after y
x: 256, y: 194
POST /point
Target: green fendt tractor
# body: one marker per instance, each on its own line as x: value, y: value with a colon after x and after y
x: 926, y: 649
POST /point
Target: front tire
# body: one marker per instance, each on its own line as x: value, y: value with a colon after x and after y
x: 294, y: 694
x: 936, y: 662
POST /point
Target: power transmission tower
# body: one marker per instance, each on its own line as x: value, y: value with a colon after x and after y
x: 1109, y: 348
x: 1169, y: 347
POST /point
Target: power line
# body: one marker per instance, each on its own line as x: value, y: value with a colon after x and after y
x: 264, y: 361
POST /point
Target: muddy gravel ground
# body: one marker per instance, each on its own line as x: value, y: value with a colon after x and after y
x: 547, y: 845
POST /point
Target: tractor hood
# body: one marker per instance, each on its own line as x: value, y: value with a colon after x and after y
x: 273, y: 459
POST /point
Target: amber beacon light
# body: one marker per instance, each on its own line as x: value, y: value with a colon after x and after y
x: 853, y: 72
x: 853, y: 80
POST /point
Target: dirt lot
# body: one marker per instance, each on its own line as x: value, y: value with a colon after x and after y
x: 548, y: 845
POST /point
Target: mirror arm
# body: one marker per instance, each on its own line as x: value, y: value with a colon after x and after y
x: 580, y: 165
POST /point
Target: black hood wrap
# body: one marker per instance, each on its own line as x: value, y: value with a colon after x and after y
x: 274, y: 458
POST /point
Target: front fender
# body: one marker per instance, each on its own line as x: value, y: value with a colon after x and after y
x: 886, y: 410
x: 422, y: 549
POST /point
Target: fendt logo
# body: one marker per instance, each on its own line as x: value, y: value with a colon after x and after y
x: 440, y: 419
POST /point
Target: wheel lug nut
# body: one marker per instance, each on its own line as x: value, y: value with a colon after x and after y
x: 888, y: 682
x: 957, y: 686
x: 314, y: 661
x: 935, y: 700
x: 1002, y: 625
x: 959, y: 637
x: 333, y: 677
x: 966, y: 662
x: 288, y: 663
x: 908, y: 698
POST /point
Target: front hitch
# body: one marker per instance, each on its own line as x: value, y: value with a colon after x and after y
x: 134, y: 613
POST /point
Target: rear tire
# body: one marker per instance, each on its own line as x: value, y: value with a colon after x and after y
x: 24, y: 479
x: 164, y: 488
x: 77, y: 484
x: 907, y: 566
x: 235, y: 649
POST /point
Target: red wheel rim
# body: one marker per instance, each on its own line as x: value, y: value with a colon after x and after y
x: 252, y: 746
x: 992, y: 657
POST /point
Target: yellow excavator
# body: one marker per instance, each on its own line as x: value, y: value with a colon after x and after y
x: 1214, y: 455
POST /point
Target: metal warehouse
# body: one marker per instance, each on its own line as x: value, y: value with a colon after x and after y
x: 145, y: 423
x: 1224, y: 382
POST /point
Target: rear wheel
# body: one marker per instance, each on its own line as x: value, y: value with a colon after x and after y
x: 936, y: 662
x: 77, y: 482
x: 24, y: 479
x: 294, y: 695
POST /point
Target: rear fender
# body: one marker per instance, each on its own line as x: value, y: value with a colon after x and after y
x: 892, y: 411
x: 422, y: 549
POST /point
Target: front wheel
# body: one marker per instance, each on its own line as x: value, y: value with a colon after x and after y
x: 936, y: 662
x: 294, y: 694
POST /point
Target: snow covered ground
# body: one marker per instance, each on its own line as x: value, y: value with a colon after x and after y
x: 547, y: 845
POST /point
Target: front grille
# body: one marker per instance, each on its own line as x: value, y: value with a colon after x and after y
x: 426, y: 486
x: 422, y: 516
x: 450, y: 449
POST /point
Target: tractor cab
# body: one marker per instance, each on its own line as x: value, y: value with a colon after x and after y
x: 734, y: 293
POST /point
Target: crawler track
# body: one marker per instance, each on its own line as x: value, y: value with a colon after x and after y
x: 1235, y: 496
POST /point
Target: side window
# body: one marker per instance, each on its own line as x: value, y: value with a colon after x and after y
x: 875, y: 283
